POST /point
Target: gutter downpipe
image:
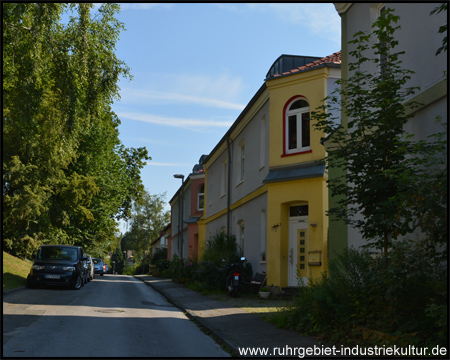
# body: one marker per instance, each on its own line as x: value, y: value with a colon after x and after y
x: 229, y: 187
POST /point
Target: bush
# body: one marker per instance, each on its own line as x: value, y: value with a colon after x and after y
x: 162, y: 265
x: 158, y: 254
x: 220, y: 251
x: 403, y: 297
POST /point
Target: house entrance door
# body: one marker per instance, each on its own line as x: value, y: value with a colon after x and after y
x: 298, y: 250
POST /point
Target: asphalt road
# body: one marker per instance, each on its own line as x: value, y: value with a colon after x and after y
x: 112, y: 316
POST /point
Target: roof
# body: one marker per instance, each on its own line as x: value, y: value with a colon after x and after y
x: 334, y: 58
x: 304, y: 171
x: 288, y: 62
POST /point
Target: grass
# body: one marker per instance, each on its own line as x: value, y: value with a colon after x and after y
x: 15, y: 271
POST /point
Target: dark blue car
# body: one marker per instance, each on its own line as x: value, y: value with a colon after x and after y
x: 58, y: 265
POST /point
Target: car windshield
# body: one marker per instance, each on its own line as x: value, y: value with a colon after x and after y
x: 56, y: 253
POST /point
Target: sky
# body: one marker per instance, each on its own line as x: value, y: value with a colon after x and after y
x: 196, y: 66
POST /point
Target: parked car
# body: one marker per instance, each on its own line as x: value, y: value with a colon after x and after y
x: 99, y: 266
x: 58, y: 265
x: 90, y: 268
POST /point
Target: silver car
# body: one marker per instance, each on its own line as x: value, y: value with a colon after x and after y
x: 90, y: 268
x: 99, y: 266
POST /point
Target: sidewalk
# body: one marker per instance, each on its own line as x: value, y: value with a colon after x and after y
x: 236, y: 327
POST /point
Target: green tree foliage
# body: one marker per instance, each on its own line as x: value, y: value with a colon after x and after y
x: 443, y: 28
x: 66, y: 176
x: 147, y: 220
x: 119, y: 261
x: 373, y: 148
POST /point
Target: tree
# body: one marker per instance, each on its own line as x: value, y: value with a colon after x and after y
x: 147, y: 220
x: 373, y: 148
x: 66, y: 175
x: 118, y: 259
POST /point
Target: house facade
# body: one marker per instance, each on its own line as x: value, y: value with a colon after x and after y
x: 418, y: 37
x: 266, y: 181
x: 162, y: 241
x: 186, y: 209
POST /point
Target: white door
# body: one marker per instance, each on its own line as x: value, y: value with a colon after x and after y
x: 298, y: 250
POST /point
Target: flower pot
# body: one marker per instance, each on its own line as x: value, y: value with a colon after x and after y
x: 264, y: 295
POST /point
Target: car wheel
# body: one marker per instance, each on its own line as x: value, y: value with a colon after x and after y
x: 31, y: 284
x: 78, y: 284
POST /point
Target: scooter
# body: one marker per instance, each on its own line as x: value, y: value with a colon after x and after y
x: 234, y: 278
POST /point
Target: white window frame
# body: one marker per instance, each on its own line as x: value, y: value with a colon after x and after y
x: 199, y: 195
x: 298, y: 113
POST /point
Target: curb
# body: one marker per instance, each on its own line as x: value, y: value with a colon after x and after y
x: 14, y: 290
x: 232, y: 350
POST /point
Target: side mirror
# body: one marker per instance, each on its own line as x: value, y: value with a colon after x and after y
x: 84, y: 258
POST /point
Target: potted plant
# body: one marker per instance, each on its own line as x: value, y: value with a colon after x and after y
x: 264, y: 292
x: 263, y: 256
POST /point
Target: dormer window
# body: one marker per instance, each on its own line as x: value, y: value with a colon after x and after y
x: 297, y: 127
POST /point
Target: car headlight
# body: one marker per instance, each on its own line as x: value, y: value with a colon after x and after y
x: 69, y: 268
x: 38, y: 267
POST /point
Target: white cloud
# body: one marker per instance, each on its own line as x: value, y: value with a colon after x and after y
x: 189, y: 124
x: 321, y: 19
x: 160, y: 97
x: 150, y: 163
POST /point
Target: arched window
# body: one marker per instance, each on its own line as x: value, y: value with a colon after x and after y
x: 297, y: 130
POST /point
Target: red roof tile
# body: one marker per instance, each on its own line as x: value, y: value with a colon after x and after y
x: 334, y: 58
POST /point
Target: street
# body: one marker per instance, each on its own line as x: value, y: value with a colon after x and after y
x: 112, y: 316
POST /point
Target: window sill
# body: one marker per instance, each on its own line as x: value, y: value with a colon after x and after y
x: 223, y: 195
x: 296, y: 153
x: 239, y: 183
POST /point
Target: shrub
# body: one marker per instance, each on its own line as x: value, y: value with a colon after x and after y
x: 403, y: 296
x: 158, y: 254
x: 220, y: 251
x: 162, y: 265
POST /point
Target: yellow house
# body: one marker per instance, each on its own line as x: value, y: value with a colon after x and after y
x: 297, y: 225
x: 265, y: 180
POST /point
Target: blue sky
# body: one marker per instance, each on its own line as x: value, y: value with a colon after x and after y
x: 196, y: 66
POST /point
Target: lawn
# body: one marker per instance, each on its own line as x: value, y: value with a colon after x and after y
x: 15, y: 271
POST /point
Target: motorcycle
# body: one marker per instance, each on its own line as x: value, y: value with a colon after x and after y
x: 234, y: 278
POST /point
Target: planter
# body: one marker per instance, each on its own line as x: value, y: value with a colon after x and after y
x: 264, y: 295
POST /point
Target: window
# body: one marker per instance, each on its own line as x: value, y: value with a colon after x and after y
x: 262, y: 146
x: 201, y: 197
x: 241, y: 162
x: 300, y: 210
x: 297, y: 130
x: 224, y: 179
